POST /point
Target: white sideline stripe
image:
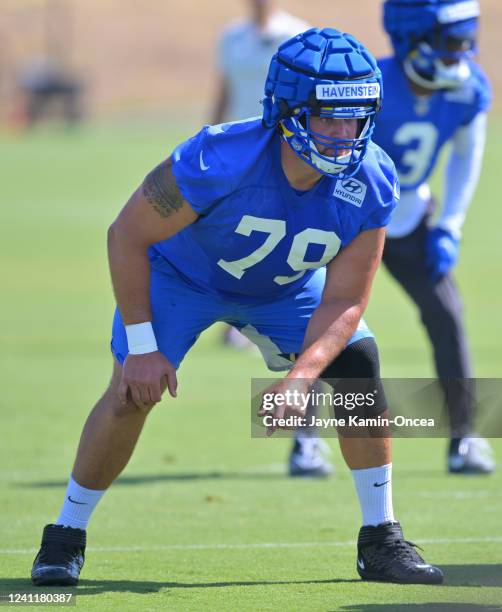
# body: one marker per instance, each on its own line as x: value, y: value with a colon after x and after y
x: 29, y: 551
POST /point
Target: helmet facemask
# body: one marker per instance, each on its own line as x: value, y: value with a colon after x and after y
x: 329, y: 155
x: 440, y: 61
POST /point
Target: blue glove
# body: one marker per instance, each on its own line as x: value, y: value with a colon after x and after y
x: 441, y: 252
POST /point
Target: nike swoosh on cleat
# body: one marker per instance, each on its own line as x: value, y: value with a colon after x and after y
x: 380, y: 484
x: 423, y: 565
x: 76, y: 502
x: 203, y: 166
x: 360, y: 563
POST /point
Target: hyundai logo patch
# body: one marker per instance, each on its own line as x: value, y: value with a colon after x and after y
x: 352, y: 186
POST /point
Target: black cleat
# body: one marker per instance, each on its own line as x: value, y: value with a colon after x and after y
x: 60, y: 558
x: 384, y: 554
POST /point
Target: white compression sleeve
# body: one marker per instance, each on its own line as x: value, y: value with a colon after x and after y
x: 462, y: 173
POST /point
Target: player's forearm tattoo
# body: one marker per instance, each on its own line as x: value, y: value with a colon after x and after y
x: 160, y: 189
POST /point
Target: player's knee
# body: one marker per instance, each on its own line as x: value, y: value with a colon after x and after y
x: 442, y: 305
x: 358, y: 360
x: 124, y: 409
x: 355, y: 378
x: 121, y: 409
x: 443, y: 317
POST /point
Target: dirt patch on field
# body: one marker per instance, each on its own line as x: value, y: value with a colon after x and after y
x: 158, y: 56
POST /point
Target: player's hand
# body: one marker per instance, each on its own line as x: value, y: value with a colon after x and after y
x: 441, y: 252
x: 288, y: 398
x: 145, y: 377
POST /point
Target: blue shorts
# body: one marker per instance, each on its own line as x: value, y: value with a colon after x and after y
x: 181, y: 312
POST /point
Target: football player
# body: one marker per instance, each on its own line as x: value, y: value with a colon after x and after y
x: 254, y: 223
x: 436, y: 94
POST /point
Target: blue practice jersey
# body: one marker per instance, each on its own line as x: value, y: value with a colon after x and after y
x: 256, y: 236
x: 412, y: 130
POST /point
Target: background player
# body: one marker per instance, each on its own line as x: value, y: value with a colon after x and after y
x: 238, y: 225
x: 436, y: 94
x: 244, y: 53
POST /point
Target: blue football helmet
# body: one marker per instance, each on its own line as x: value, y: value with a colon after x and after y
x: 434, y: 39
x: 328, y: 74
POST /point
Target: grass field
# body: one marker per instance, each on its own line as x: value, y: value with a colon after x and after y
x: 204, y: 517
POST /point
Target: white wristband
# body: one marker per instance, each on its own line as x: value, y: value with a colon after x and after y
x: 141, y: 339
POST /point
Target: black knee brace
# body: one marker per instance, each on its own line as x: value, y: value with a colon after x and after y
x: 355, y: 378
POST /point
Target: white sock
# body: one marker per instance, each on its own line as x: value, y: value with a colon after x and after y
x: 78, y: 505
x: 374, y: 489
